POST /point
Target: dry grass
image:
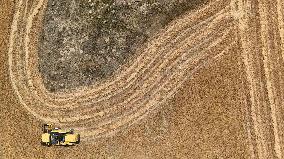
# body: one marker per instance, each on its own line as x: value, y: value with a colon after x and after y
x: 210, y: 85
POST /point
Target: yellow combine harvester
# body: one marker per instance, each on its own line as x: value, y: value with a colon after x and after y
x: 57, y: 136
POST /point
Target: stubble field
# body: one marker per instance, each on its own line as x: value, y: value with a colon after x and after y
x: 209, y: 84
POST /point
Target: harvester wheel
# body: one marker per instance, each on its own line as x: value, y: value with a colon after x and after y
x: 78, y: 140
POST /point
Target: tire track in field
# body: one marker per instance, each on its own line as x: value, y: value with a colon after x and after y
x: 261, y: 32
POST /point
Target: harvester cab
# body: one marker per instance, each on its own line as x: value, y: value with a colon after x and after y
x: 46, y: 128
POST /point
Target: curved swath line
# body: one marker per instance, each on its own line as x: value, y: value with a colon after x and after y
x: 183, y: 56
x: 197, y: 57
x: 171, y: 55
x: 134, y: 103
x: 14, y: 29
x: 100, y: 123
x: 156, y: 82
x: 62, y: 108
x: 175, y: 89
x: 147, y: 74
x: 207, y: 35
x: 85, y: 130
x: 140, y: 116
x: 99, y: 100
x: 97, y: 88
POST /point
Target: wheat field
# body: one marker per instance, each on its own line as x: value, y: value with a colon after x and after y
x: 208, y: 85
